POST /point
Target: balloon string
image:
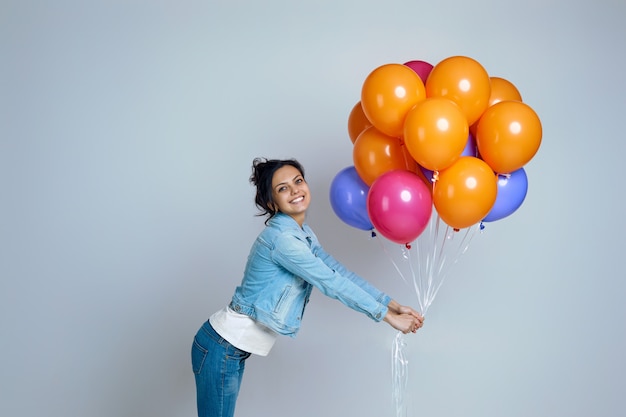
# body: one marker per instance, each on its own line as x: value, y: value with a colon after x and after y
x: 416, y: 282
x: 423, y: 261
x: 395, y: 265
x: 399, y: 374
x: 435, y: 177
x: 469, y: 235
x: 432, y: 265
x: 426, y: 257
x: 437, y: 249
x: 441, y: 254
x: 462, y: 248
x: 406, y: 253
x: 422, y: 280
x: 439, y: 263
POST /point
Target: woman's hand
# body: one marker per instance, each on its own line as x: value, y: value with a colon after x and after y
x: 397, y: 308
x: 404, y: 322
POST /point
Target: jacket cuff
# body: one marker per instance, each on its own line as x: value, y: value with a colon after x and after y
x: 385, y: 300
x: 380, y: 313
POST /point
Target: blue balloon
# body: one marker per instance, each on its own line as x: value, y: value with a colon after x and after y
x: 512, y: 191
x: 348, y: 198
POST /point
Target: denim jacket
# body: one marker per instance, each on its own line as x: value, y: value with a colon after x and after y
x: 284, y: 264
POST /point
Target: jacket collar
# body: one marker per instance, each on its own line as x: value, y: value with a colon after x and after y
x: 284, y: 221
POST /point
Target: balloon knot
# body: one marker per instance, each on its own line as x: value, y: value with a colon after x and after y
x: 435, y: 176
x: 408, y: 246
x: 373, y: 233
x: 456, y: 229
x: 482, y: 226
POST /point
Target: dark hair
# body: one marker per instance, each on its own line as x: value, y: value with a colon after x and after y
x: 263, y: 170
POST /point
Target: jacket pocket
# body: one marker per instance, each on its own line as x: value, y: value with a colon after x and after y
x: 283, y: 299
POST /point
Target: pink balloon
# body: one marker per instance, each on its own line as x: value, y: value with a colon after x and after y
x: 421, y: 68
x: 399, y: 205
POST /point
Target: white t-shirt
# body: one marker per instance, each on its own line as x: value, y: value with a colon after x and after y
x: 243, y: 332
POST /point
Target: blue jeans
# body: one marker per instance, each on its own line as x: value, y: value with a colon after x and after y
x: 218, y: 368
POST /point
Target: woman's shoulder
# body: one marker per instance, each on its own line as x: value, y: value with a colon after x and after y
x: 287, y: 239
x: 279, y: 228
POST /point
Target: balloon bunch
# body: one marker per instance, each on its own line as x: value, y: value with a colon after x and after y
x: 436, y: 149
x: 447, y: 139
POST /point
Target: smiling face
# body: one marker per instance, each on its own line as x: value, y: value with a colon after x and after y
x: 290, y: 193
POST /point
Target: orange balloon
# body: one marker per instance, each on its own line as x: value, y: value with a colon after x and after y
x: 388, y: 94
x: 508, y: 135
x: 375, y: 153
x: 462, y: 80
x: 357, y: 122
x: 435, y: 132
x: 465, y: 192
x: 503, y: 90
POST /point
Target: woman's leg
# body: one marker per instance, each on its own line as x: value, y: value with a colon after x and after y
x: 218, y: 368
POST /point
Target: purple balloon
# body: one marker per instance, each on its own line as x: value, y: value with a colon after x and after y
x: 348, y: 198
x: 512, y: 191
x: 421, y: 68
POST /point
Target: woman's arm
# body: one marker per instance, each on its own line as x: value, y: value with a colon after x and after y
x: 333, y: 263
x: 396, y: 308
x: 295, y: 256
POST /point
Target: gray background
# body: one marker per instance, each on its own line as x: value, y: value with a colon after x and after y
x: 127, y: 129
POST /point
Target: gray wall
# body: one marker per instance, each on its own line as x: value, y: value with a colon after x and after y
x: 127, y: 129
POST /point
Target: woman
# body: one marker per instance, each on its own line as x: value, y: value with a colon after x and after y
x: 286, y: 261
